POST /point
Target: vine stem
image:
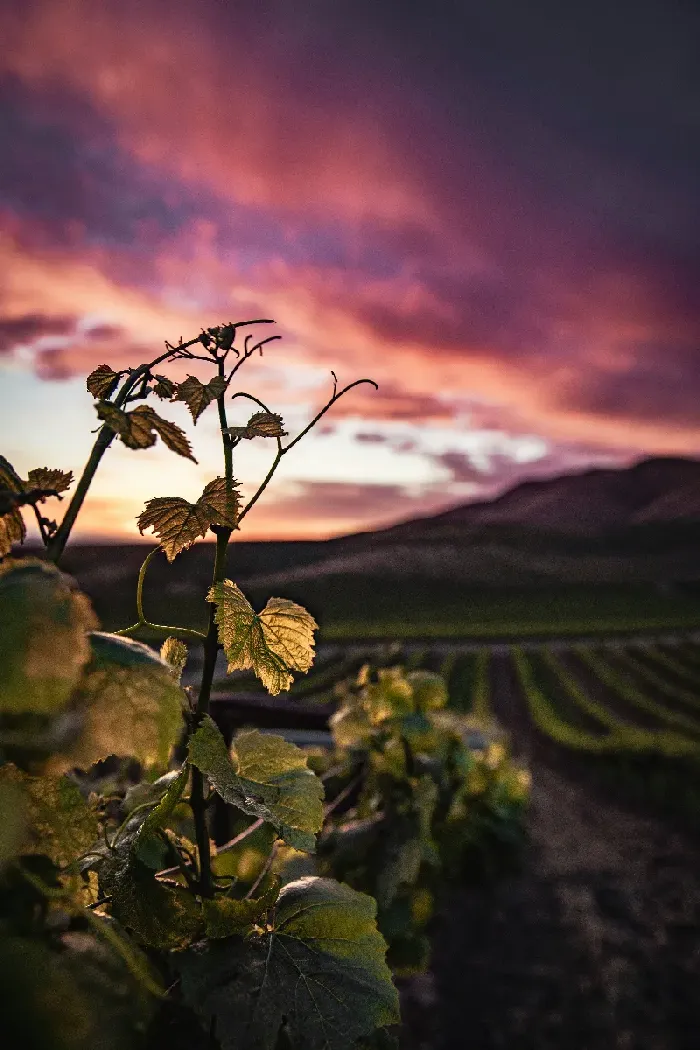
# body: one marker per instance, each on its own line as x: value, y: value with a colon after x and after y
x: 211, y: 648
x: 176, y: 632
x: 57, y: 544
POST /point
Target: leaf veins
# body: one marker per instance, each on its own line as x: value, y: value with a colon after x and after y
x: 197, y: 396
x: 178, y: 523
x: 273, y: 643
x: 102, y: 382
x: 46, y: 478
x: 138, y: 429
x: 260, y: 424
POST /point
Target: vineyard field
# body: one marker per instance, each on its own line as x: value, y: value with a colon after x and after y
x: 626, y: 716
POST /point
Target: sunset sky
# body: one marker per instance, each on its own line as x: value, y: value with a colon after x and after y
x: 489, y: 208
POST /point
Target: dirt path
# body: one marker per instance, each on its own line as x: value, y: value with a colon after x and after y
x: 595, y: 946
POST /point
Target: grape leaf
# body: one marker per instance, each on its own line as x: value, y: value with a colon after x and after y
x: 44, y: 622
x: 46, y: 478
x: 224, y: 916
x: 60, y: 823
x: 265, y: 776
x: 72, y: 991
x: 429, y: 690
x: 273, y: 643
x: 174, y: 653
x: 159, y: 815
x: 138, y: 429
x: 197, y: 396
x: 161, y: 915
x: 223, y: 503
x: 102, y: 382
x: 130, y: 426
x: 12, y: 530
x: 320, y: 965
x: 147, y: 793
x: 9, y: 478
x: 173, y: 436
x: 130, y: 703
x: 164, y: 388
x: 13, y: 827
x: 260, y: 424
x: 176, y: 522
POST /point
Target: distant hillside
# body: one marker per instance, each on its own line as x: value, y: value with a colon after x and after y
x: 592, y: 503
x: 636, y: 524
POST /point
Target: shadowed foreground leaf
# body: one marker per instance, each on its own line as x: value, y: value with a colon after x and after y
x: 173, y: 652
x: 43, y: 637
x: 61, y: 824
x: 161, y: 915
x: 273, y: 643
x: 80, y: 996
x: 12, y: 529
x: 130, y: 702
x: 225, y: 916
x: 265, y: 776
x: 320, y: 966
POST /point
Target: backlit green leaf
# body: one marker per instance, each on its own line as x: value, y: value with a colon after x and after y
x: 198, y: 395
x: 60, y: 823
x: 44, y: 645
x: 264, y: 776
x: 429, y: 690
x: 273, y: 643
x: 130, y: 702
x: 222, y: 503
x: 176, y: 523
x: 225, y: 916
x: 321, y: 966
x: 173, y: 652
x: 102, y: 382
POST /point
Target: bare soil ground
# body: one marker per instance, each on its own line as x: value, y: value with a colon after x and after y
x: 595, y: 946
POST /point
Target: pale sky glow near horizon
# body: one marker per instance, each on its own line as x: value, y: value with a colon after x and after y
x: 490, y: 209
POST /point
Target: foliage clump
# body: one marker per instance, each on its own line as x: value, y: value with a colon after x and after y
x: 116, y: 907
x: 421, y: 807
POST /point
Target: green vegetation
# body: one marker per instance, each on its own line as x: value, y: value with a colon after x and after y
x: 624, y: 688
x: 117, y: 912
x: 639, y: 668
x: 660, y: 768
x: 414, y: 807
x: 444, y: 609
